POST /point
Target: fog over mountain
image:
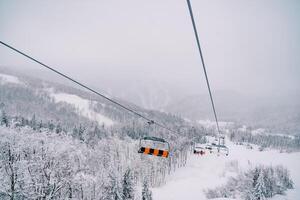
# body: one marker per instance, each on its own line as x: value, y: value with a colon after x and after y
x: 279, y: 113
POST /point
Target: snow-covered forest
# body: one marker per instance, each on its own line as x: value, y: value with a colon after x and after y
x: 53, y: 149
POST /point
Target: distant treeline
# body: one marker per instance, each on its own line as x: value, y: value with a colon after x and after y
x: 265, y: 140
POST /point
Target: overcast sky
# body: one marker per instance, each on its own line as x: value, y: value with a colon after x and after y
x: 248, y: 45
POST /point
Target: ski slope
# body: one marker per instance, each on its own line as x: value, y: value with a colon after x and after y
x: 6, y: 79
x: 209, y: 171
x: 83, y: 106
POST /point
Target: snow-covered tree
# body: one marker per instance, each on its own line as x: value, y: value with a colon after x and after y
x: 33, y: 123
x: 11, y: 176
x: 146, y: 192
x: 270, y: 181
x: 128, y: 185
x: 283, y: 179
x: 3, y: 119
x: 259, y: 183
x: 113, y: 191
x: 260, y: 188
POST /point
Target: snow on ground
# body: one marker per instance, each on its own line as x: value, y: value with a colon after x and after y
x: 243, y: 128
x: 208, y: 123
x: 83, y: 106
x: 258, y: 131
x: 210, y: 171
x: 265, y: 132
x: 4, y: 79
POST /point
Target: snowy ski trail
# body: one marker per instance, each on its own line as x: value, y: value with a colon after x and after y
x: 83, y: 106
x: 210, y: 171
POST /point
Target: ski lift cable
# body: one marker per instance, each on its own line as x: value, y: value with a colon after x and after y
x: 203, y: 63
x: 149, y: 121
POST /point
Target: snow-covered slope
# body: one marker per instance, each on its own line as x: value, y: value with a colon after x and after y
x: 83, y: 106
x: 209, y: 171
x: 208, y: 123
x: 4, y: 79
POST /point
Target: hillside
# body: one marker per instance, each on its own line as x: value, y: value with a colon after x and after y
x: 25, y: 96
x: 51, y: 122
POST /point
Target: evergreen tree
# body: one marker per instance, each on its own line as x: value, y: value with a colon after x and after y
x: 81, y: 131
x: 113, y: 190
x: 260, y: 188
x: 75, y: 132
x: 23, y: 122
x: 4, y: 119
x: 51, y: 126
x: 33, y: 123
x: 58, y: 129
x: 283, y: 179
x: 146, y: 192
x: 40, y: 125
x: 128, y: 185
x: 270, y: 182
